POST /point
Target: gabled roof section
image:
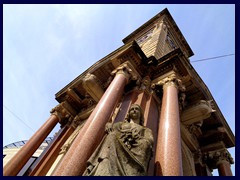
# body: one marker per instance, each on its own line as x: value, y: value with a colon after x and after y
x: 166, y: 13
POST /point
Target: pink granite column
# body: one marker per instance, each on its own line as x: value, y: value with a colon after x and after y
x: 168, y: 152
x: 224, y: 168
x: 15, y: 164
x: 223, y: 162
x: 74, y: 162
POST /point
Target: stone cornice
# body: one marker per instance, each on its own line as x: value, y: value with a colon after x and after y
x: 99, y: 64
x: 201, y: 86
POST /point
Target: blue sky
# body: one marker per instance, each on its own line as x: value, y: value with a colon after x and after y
x: 47, y: 46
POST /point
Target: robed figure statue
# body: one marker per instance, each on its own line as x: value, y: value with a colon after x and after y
x: 126, y: 149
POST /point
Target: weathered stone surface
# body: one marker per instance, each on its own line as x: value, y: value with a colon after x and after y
x: 126, y: 149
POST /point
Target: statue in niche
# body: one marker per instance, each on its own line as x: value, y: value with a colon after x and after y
x: 125, y: 150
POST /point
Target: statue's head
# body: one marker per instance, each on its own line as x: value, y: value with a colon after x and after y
x: 135, y: 113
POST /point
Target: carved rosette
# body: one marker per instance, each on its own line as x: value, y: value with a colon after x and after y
x: 214, y: 158
x: 62, y: 113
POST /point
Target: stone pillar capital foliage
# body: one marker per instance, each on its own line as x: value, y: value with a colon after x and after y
x: 63, y: 115
x: 218, y: 157
x: 127, y: 70
x: 171, y: 80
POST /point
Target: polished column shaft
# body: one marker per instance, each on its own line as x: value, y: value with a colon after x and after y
x: 224, y: 168
x: 74, y: 162
x: 168, y: 153
x: 15, y: 164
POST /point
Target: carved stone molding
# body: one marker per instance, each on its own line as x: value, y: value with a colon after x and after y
x: 189, y: 139
x: 89, y: 101
x: 198, y: 157
x: 93, y: 86
x: 146, y: 84
x: 182, y: 102
x: 195, y: 129
x: 128, y: 70
x: 107, y: 83
x: 78, y: 120
x: 197, y: 112
x: 62, y: 113
x: 74, y: 96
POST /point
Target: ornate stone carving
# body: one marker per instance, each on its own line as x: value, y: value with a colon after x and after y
x: 62, y: 113
x: 182, y: 102
x: 197, y: 112
x: 213, y: 158
x: 171, y: 80
x: 127, y: 70
x: 198, y: 156
x: 69, y: 141
x: 78, y: 120
x: 108, y: 82
x: 93, y: 87
x: 145, y: 85
x: 74, y: 96
x: 90, y: 101
x: 195, y: 129
x: 125, y: 150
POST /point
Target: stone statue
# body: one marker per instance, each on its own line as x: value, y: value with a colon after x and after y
x: 126, y: 149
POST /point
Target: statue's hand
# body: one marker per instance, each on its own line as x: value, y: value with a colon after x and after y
x: 108, y: 128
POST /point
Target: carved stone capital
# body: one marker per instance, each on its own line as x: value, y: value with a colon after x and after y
x: 171, y: 80
x: 62, y: 113
x: 214, y: 158
x: 127, y: 70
